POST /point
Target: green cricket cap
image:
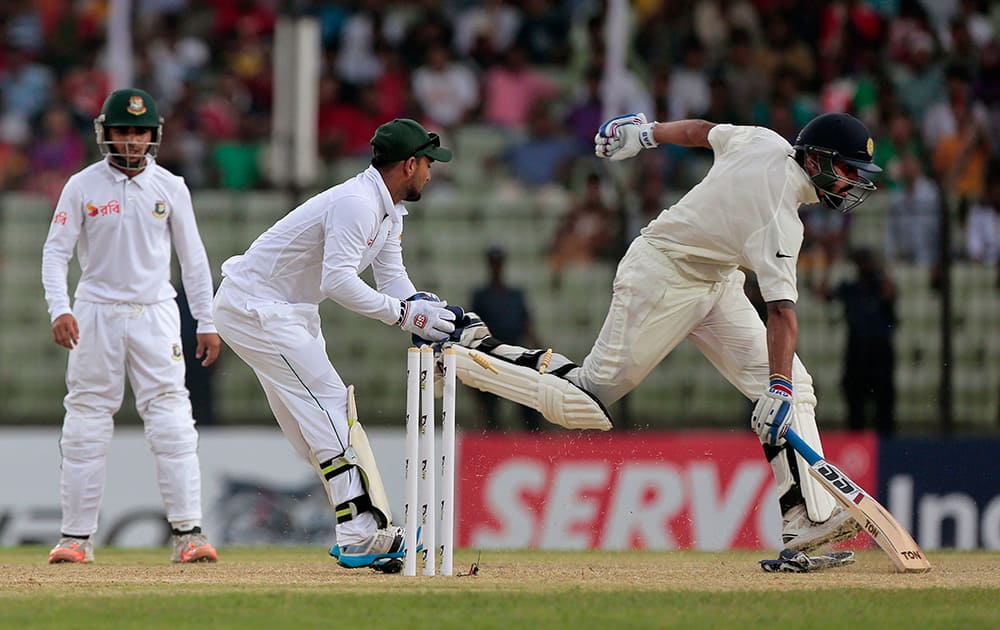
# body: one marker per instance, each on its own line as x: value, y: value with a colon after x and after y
x: 130, y: 107
x: 402, y: 138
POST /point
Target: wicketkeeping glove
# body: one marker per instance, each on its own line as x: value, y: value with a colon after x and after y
x: 772, y: 415
x: 461, y: 321
x: 623, y: 136
x: 426, y: 318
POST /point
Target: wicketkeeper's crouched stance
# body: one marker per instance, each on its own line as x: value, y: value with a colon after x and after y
x: 267, y: 311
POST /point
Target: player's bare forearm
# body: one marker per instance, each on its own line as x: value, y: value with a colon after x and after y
x: 208, y: 347
x: 685, y: 133
x: 782, y: 336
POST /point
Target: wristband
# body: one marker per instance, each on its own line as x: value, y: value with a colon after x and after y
x: 646, y: 135
x: 781, y: 384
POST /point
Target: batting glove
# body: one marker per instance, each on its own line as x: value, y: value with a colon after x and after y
x: 772, y: 415
x: 428, y: 319
x: 624, y: 136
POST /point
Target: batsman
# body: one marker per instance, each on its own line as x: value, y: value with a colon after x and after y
x: 681, y: 279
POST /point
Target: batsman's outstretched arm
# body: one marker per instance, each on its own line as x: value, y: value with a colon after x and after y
x: 623, y: 136
x: 692, y: 132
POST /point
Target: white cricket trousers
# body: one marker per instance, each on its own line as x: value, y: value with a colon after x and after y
x: 655, y: 306
x: 284, y: 345
x: 143, y: 342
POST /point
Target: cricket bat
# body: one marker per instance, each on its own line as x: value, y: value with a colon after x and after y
x: 888, y: 534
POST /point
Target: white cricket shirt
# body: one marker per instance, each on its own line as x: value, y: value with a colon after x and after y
x: 122, y: 230
x: 745, y: 212
x: 318, y: 249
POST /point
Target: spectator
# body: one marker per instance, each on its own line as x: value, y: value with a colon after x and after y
x: 177, y: 58
x: 787, y: 93
x: 486, y: 31
x: 505, y: 310
x: 187, y: 152
x: 902, y: 140
x: 446, y: 90
x: 198, y: 379
x: 724, y: 106
x: 914, y: 215
x: 845, y: 27
x: 585, y: 110
x: 543, y: 33
x: 545, y: 156
x: 825, y: 235
x: 84, y: 86
x: 58, y: 154
x: 919, y: 82
x: 391, y: 89
x: 785, y: 51
x: 942, y: 118
x: 25, y: 84
x: 982, y: 230
x: 960, y: 155
x: 870, y: 357
x: 347, y: 119
x: 746, y: 82
x: 511, y: 88
x: 586, y: 232
x: 14, y: 136
x: 359, y: 39
x: 236, y: 161
x: 717, y: 24
x: 689, y: 93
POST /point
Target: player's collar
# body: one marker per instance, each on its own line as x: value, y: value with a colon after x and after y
x: 396, y: 211
x: 142, y: 178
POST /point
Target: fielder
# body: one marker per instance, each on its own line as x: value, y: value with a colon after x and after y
x: 267, y: 311
x: 122, y: 214
x: 680, y: 280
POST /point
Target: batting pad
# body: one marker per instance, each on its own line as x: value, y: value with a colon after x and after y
x: 559, y: 401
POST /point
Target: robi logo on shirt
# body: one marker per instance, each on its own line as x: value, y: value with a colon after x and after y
x: 420, y: 321
x: 112, y: 207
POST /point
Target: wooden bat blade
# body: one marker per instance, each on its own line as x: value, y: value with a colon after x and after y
x: 903, y: 551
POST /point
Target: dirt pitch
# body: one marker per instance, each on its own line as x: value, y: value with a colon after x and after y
x: 25, y: 572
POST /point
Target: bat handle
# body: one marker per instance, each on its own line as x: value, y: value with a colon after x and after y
x: 802, y: 447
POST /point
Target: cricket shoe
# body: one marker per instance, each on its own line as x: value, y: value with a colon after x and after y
x: 70, y: 549
x: 791, y: 561
x: 800, y: 533
x: 383, y: 550
x: 192, y: 546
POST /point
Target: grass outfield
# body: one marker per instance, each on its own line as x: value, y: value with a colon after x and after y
x: 302, y: 588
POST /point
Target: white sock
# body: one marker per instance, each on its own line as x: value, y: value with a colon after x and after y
x: 356, y: 529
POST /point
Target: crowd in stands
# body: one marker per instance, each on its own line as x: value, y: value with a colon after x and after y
x: 922, y: 74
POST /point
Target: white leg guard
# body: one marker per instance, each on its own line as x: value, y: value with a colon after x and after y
x: 819, y: 504
x: 557, y: 399
x: 359, y: 455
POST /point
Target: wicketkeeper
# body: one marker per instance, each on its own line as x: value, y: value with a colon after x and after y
x: 267, y: 311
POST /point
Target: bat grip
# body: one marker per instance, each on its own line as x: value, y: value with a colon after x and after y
x: 800, y: 445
